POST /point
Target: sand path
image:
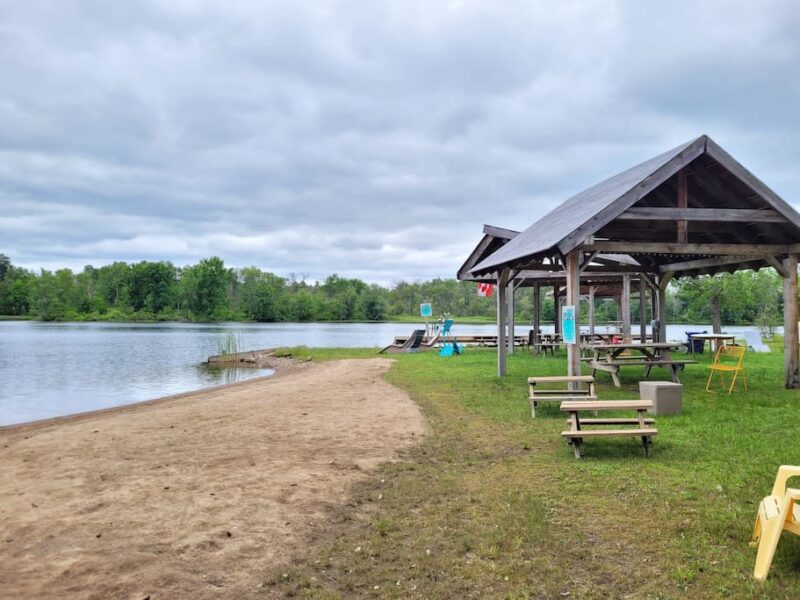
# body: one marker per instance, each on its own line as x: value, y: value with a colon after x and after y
x: 199, y: 496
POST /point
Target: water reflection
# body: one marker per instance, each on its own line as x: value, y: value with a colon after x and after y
x: 52, y: 369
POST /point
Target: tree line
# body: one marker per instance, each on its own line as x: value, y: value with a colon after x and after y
x: 211, y: 291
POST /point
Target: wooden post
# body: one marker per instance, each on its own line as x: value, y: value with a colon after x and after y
x: 510, y: 318
x: 574, y: 299
x: 502, y: 280
x: 592, y: 290
x: 663, y: 282
x: 537, y: 317
x: 683, y: 202
x: 556, y: 311
x: 654, y: 312
x: 626, y: 308
x: 791, y: 367
x: 642, y: 310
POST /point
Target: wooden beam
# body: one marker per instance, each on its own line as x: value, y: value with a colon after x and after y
x: 588, y: 260
x: 511, y: 323
x: 592, y: 290
x: 556, y: 306
x: 574, y: 299
x: 791, y: 367
x: 626, y: 308
x: 500, y: 232
x: 702, y: 263
x: 642, y: 311
x: 537, y: 316
x: 777, y: 265
x: 683, y: 202
x: 501, y: 287
x: 716, y: 215
x: 712, y: 249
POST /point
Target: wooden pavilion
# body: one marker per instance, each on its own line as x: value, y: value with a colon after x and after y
x: 599, y: 279
x: 689, y: 211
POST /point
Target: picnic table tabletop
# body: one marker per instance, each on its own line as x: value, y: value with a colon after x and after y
x: 637, y: 346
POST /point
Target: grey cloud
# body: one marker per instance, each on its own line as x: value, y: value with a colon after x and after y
x: 371, y: 139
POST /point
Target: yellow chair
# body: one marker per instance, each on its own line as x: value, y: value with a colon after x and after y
x: 729, y: 359
x: 779, y: 511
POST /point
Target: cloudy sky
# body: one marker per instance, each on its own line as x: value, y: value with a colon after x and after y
x: 367, y: 138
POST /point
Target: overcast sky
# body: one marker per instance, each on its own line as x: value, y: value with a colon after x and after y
x: 373, y: 139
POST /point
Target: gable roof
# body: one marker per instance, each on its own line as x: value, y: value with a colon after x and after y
x: 585, y: 213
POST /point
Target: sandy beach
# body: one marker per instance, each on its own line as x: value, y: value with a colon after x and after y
x: 196, y: 496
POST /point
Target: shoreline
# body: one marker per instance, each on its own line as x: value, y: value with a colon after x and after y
x: 199, y: 495
x: 281, y: 367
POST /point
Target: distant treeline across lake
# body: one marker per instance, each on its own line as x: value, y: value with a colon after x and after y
x: 211, y: 291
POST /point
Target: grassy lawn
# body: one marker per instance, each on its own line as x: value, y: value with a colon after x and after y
x: 494, y: 504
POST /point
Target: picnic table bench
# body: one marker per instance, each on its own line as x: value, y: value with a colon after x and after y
x: 612, y: 357
x: 582, y: 389
x: 642, y: 425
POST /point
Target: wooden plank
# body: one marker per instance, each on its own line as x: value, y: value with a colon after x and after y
x: 561, y: 379
x: 791, y: 367
x: 757, y: 250
x: 616, y: 421
x: 642, y: 310
x: 510, y: 320
x: 683, y: 202
x: 607, y: 405
x: 608, y: 433
x: 715, y: 215
x: 500, y: 232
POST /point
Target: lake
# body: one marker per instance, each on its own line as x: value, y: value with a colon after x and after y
x: 54, y: 369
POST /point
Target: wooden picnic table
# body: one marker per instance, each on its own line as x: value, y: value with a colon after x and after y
x: 612, y: 357
x: 714, y: 340
x: 642, y: 426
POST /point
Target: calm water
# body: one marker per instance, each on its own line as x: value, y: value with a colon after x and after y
x: 53, y: 369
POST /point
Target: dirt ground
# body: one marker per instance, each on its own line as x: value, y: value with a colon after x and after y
x: 197, y: 496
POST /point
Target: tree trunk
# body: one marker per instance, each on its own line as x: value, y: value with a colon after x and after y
x: 716, y: 319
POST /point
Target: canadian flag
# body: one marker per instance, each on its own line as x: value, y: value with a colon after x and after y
x: 485, y: 289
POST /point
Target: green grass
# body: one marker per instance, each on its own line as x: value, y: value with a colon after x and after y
x: 494, y: 504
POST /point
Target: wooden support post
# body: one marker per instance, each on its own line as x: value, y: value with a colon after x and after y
x: 592, y: 290
x: 683, y: 202
x: 556, y: 309
x: 654, y: 311
x: 626, y: 308
x: 642, y: 311
x: 502, y: 281
x: 663, y: 282
x: 537, y: 317
x: 791, y: 367
x: 510, y: 319
x: 574, y: 299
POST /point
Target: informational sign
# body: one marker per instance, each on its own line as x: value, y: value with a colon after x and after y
x: 568, y: 329
x: 426, y: 310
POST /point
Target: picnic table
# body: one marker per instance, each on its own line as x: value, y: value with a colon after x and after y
x: 714, y: 339
x: 639, y: 426
x: 612, y: 357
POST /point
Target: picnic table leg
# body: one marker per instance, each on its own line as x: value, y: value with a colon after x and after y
x: 615, y: 378
x: 674, y: 369
x: 646, y: 443
x: 647, y: 370
x: 576, y: 446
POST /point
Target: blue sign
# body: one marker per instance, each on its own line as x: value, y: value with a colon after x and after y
x: 568, y: 329
x: 425, y: 310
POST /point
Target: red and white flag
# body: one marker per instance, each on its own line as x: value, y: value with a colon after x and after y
x: 485, y: 289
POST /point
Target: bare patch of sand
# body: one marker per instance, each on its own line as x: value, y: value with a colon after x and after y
x: 196, y: 496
